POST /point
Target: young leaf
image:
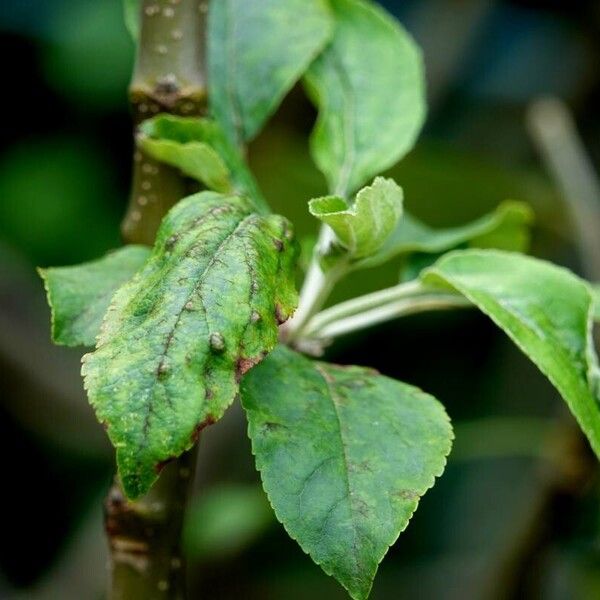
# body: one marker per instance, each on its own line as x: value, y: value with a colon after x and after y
x: 256, y: 52
x: 198, y: 148
x: 362, y: 228
x: 546, y: 310
x: 194, y: 159
x: 345, y: 455
x: 131, y: 13
x: 79, y: 296
x: 507, y: 228
x: 369, y: 88
x: 176, y: 338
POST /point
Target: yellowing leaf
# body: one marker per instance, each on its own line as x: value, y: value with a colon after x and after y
x: 202, y: 311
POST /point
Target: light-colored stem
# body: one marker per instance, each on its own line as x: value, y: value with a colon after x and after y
x: 388, y: 312
x: 363, y: 303
x: 316, y: 288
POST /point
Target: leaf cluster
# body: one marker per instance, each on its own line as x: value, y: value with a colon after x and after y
x: 177, y: 331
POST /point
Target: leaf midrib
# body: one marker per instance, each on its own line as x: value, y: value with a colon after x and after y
x: 349, y: 492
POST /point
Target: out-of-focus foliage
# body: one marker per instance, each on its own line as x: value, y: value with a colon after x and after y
x: 56, y: 199
x: 226, y: 520
x: 88, y: 56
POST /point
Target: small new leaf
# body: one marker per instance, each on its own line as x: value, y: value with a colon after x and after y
x: 507, y: 228
x: 369, y: 88
x: 256, y: 52
x: 198, y: 148
x: 546, y: 310
x: 203, y: 310
x: 363, y: 227
x: 79, y: 296
x: 345, y: 455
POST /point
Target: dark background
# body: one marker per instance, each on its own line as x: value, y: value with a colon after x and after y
x: 516, y: 513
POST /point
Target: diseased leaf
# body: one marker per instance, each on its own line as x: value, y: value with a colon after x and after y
x: 256, y: 52
x: 507, y: 228
x: 79, y: 296
x: 176, y: 338
x: 345, y: 455
x: 131, y: 10
x: 546, y: 310
x: 198, y: 148
x: 369, y: 88
x: 363, y: 227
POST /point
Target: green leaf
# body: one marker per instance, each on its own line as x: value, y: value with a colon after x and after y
x: 256, y: 52
x: 596, y: 295
x: 345, y: 455
x: 198, y: 148
x: 362, y: 228
x: 176, y: 339
x: 370, y: 91
x: 131, y: 10
x: 507, y: 228
x: 546, y: 310
x: 79, y: 296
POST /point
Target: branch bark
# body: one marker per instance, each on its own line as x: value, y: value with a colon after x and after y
x: 169, y: 76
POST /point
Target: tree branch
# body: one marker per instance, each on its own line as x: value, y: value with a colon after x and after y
x: 169, y: 76
x: 144, y: 536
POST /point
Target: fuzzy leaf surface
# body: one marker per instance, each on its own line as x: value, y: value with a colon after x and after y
x: 199, y: 149
x: 79, y: 296
x: 345, y: 455
x: 369, y: 88
x: 507, y: 228
x: 546, y: 310
x: 256, y: 52
x: 363, y: 227
x: 596, y: 295
x: 176, y: 339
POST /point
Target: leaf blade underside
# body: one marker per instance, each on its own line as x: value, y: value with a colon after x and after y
x: 344, y: 455
x: 547, y: 312
x: 203, y: 310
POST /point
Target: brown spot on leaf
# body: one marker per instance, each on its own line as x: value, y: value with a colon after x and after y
x: 278, y: 245
x: 245, y: 364
x: 162, y: 464
x: 410, y: 495
x: 171, y: 242
x: 280, y: 315
x: 210, y: 420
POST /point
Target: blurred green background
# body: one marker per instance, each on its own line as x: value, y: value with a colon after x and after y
x: 516, y: 513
